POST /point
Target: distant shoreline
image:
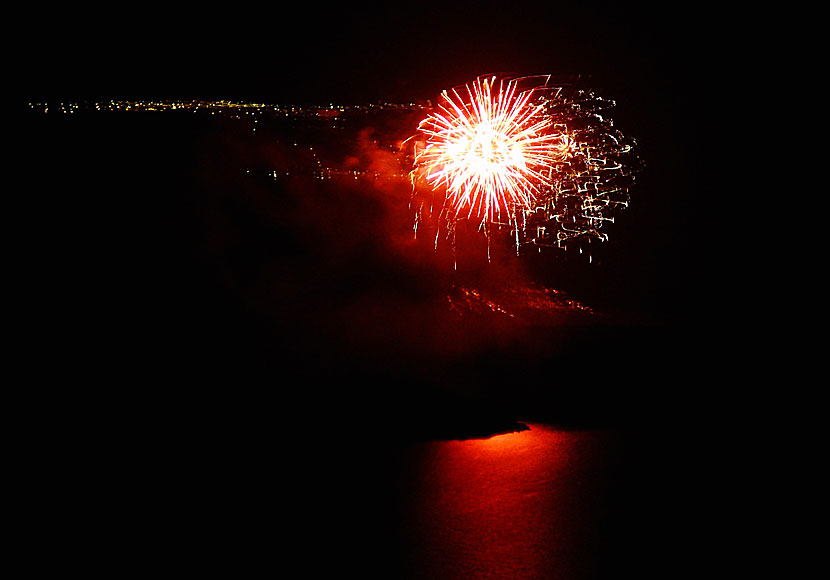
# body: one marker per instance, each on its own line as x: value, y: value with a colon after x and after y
x: 467, y: 432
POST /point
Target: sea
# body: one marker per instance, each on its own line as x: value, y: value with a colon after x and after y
x: 518, y: 505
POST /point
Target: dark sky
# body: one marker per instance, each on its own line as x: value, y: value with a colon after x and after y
x: 351, y: 52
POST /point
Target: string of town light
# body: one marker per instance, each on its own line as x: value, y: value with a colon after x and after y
x: 539, y: 161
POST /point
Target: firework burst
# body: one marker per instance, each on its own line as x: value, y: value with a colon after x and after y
x: 491, y: 147
x: 543, y: 162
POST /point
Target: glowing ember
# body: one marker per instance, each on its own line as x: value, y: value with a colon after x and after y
x: 491, y: 149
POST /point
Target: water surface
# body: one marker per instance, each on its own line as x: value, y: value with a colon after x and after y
x: 519, y: 505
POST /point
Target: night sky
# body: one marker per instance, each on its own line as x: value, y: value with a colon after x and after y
x: 355, y: 52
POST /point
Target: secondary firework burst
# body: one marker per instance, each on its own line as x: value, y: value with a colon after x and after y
x: 538, y: 158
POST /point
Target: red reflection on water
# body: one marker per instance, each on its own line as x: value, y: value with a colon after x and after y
x: 518, y: 505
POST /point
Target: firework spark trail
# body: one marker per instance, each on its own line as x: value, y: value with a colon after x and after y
x: 545, y: 162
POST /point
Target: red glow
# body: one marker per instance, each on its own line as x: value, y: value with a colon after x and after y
x: 510, y: 506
